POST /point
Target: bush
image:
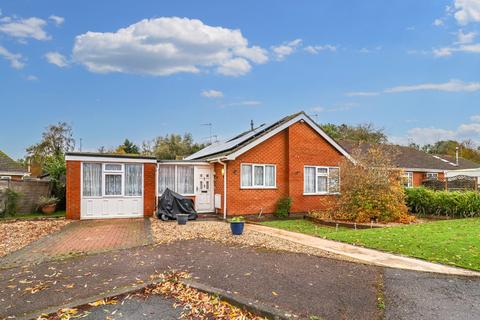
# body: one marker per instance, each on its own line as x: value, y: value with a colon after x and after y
x: 47, y: 201
x: 370, y: 189
x: 10, y: 199
x: 422, y: 201
x: 283, y: 207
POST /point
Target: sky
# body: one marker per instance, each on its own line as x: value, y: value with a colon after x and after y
x: 141, y: 69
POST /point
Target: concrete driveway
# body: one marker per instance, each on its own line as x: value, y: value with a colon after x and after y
x: 84, y: 237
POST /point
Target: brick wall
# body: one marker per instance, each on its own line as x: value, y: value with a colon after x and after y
x: 252, y: 201
x: 307, y: 147
x: 149, y: 189
x: 418, y: 177
x: 73, y: 189
x: 290, y: 150
x: 30, y: 190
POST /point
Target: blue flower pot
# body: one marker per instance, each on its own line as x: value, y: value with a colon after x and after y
x: 237, y: 227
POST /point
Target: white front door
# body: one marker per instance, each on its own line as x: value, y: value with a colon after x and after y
x: 203, y: 190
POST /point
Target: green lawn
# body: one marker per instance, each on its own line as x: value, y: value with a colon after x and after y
x: 453, y: 242
x: 57, y: 214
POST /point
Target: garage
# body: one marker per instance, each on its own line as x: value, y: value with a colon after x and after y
x: 103, y: 186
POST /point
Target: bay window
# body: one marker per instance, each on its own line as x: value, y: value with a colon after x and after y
x: 321, y: 180
x: 258, y: 176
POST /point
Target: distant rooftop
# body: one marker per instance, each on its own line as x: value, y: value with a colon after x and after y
x: 7, y: 164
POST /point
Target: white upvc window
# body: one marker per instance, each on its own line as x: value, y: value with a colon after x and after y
x: 258, y: 176
x: 112, y: 179
x: 319, y: 180
x: 178, y: 178
x: 113, y: 175
x: 408, y: 179
x: 432, y: 175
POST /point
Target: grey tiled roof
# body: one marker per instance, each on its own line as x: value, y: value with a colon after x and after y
x: 406, y: 157
x: 7, y: 164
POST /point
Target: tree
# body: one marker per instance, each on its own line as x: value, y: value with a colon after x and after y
x: 370, y: 188
x: 466, y: 149
x: 361, y: 133
x: 56, y: 140
x: 127, y: 147
x: 172, y: 146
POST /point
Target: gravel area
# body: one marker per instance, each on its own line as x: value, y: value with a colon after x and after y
x: 167, y: 232
x: 17, y: 234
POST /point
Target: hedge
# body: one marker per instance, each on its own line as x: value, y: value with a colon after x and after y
x: 422, y: 201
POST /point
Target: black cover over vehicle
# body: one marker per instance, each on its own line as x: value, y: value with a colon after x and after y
x: 172, y: 203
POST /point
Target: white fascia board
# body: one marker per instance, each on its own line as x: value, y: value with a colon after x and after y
x: 287, y: 124
x: 108, y: 159
x: 422, y: 170
x: 13, y: 173
x: 184, y: 163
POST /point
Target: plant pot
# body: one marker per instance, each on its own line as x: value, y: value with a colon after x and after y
x: 237, y: 227
x: 49, y: 208
x: 182, y: 218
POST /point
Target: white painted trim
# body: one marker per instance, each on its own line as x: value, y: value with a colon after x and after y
x: 421, y: 170
x: 185, y: 163
x: 300, y: 117
x: 13, y: 173
x: 108, y: 159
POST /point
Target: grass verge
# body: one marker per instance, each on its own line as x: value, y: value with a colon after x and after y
x: 450, y: 242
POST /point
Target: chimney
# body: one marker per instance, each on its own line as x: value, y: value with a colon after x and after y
x: 251, y: 125
x: 456, y: 155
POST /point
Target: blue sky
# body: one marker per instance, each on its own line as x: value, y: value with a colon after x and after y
x: 140, y: 69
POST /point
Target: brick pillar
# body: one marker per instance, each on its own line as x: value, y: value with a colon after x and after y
x: 149, y: 189
x: 73, y: 189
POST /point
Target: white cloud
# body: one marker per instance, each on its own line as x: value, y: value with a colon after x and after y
x: 57, y: 20
x: 56, y: 58
x: 431, y: 135
x: 15, y: 59
x: 317, y: 49
x: 438, y: 22
x: 245, y: 103
x: 165, y: 46
x: 450, y: 86
x: 24, y: 28
x: 475, y: 118
x: 443, y: 52
x: 362, y: 94
x: 464, y: 38
x: 286, y: 49
x: 335, y: 108
x: 467, y: 11
x: 31, y: 77
x: 212, y: 94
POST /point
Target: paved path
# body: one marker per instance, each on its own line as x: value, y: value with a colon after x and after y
x: 369, y: 256
x: 297, y: 283
x: 87, y: 236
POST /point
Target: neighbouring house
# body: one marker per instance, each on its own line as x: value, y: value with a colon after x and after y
x: 11, y: 169
x: 419, y: 166
x: 246, y: 174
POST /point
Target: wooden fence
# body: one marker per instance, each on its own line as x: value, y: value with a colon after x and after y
x: 457, y: 183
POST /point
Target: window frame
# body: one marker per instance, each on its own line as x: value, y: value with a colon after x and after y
x: 125, y: 180
x: 120, y: 173
x: 434, y: 174
x: 317, y: 174
x: 264, y: 165
x: 409, y: 176
x: 176, y: 178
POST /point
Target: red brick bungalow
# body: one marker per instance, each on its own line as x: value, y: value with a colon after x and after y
x: 247, y: 174
x: 418, y: 165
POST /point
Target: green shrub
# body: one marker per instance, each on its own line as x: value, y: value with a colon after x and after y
x: 10, y: 200
x: 422, y: 201
x: 283, y: 207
